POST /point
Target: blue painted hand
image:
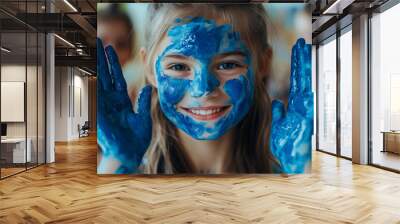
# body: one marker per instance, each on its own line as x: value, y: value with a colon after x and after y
x: 123, y: 134
x: 292, y: 130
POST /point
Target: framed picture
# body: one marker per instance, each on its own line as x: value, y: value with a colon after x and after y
x: 204, y: 88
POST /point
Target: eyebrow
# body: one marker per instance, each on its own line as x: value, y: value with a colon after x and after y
x: 232, y: 53
x: 184, y: 57
x: 176, y: 56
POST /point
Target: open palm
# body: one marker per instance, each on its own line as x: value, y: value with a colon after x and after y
x: 123, y: 134
x: 292, y: 129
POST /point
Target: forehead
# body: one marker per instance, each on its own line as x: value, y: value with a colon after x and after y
x: 202, y: 37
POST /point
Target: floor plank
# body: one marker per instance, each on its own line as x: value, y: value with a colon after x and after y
x: 69, y: 191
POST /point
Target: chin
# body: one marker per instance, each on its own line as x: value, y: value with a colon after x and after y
x: 204, y: 132
x: 207, y: 136
x: 210, y: 137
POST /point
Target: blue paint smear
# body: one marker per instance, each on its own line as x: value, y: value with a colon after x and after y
x: 122, y: 134
x: 292, y: 131
x: 202, y: 40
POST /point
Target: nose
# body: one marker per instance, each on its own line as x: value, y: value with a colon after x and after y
x: 203, y: 84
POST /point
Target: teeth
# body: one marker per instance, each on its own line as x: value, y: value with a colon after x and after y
x: 205, y: 112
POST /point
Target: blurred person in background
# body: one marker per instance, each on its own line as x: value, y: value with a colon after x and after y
x: 115, y: 28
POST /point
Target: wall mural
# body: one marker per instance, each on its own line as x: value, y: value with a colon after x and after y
x: 204, y: 88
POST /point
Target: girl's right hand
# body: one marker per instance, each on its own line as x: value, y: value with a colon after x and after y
x: 292, y: 129
x: 123, y: 134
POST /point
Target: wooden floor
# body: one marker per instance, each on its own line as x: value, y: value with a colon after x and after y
x: 387, y: 159
x: 69, y: 191
x: 10, y: 171
x: 5, y: 172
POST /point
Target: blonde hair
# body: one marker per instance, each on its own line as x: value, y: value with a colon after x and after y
x: 251, y: 153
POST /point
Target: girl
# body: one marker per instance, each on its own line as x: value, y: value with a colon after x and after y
x: 210, y: 111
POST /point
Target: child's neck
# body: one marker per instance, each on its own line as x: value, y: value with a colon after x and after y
x: 208, y: 156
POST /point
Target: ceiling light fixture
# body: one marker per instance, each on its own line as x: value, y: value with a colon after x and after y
x: 70, y: 5
x: 84, y: 71
x: 5, y: 50
x: 337, y: 7
x: 326, y: 11
x: 65, y: 41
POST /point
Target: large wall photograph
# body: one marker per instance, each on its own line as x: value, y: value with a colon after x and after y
x: 204, y: 88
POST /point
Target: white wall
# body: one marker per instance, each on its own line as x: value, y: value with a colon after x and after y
x: 71, y: 94
x: 12, y: 73
x: 16, y: 73
x: 61, y: 103
x: 79, y: 117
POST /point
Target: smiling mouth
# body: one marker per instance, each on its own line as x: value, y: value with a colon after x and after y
x: 206, y: 113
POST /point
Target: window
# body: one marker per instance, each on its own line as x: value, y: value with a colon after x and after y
x: 22, y: 66
x: 385, y: 89
x: 346, y: 93
x: 327, y: 96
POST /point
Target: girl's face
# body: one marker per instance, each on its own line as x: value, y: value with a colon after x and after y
x: 204, y: 77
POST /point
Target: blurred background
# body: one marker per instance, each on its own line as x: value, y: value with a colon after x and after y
x: 122, y: 26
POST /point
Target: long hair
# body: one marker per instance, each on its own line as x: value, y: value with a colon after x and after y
x: 250, y: 152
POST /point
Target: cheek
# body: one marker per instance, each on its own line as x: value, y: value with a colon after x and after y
x: 240, y: 90
x: 171, y: 90
x: 235, y: 88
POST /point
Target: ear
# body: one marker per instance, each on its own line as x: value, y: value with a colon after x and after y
x: 148, y: 71
x: 265, y: 62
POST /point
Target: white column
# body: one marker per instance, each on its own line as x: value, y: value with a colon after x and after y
x: 50, y: 92
x: 50, y: 99
x: 360, y: 90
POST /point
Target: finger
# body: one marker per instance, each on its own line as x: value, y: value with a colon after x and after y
x: 144, y: 100
x: 293, y: 71
x: 104, y: 78
x: 304, y: 67
x: 116, y: 71
x: 278, y: 110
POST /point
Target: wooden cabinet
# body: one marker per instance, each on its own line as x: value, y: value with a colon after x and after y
x: 391, y: 142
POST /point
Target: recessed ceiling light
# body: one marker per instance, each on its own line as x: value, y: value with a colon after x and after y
x: 5, y: 49
x: 65, y: 41
x: 84, y: 71
x: 70, y: 5
x: 337, y: 7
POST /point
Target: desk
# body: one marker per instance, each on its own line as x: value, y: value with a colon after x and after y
x: 16, y: 147
x: 391, y: 141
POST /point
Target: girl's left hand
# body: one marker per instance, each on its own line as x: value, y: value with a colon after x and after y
x: 122, y: 133
x: 292, y: 130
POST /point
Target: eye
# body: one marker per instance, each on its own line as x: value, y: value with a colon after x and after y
x: 227, y: 66
x: 179, y: 67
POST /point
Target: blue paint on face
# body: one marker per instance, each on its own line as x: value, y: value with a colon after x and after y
x: 202, y: 40
x: 203, y: 83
